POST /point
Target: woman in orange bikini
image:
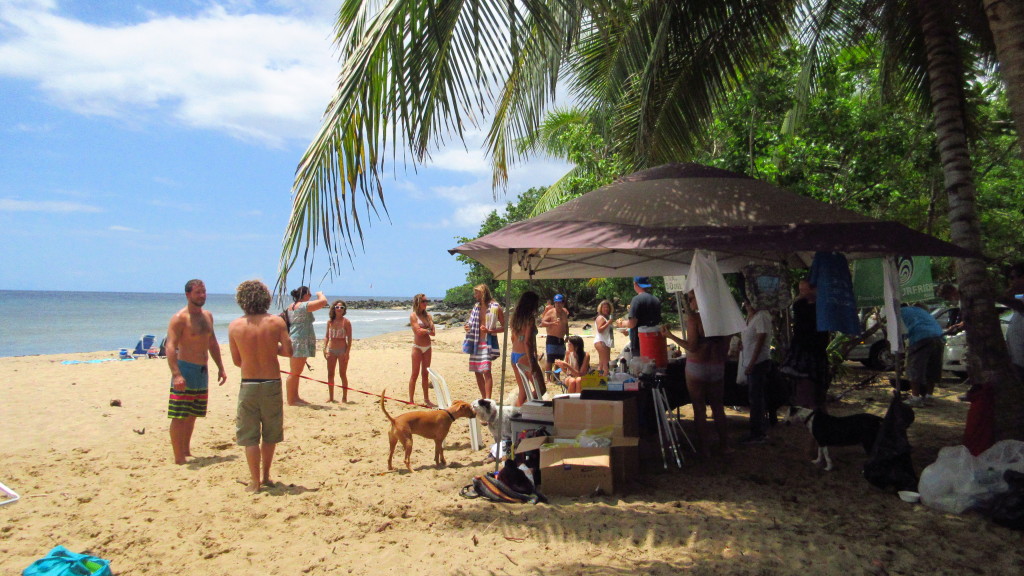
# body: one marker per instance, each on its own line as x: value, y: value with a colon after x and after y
x: 337, y: 345
x: 422, y: 330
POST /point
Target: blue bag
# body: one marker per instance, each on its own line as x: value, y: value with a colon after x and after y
x: 63, y: 562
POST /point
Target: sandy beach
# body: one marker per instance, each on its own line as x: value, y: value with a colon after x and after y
x: 91, y: 481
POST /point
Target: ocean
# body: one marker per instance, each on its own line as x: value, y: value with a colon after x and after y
x: 34, y: 322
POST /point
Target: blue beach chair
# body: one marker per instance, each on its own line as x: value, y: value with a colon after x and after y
x: 145, y: 343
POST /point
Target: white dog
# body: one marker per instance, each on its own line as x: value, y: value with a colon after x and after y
x: 500, y: 425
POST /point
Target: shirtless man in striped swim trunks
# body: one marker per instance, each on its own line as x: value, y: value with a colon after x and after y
x: 256, y: 340
x: 190, y: 343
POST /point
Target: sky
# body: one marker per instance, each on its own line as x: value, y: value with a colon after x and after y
x: 149, y: 142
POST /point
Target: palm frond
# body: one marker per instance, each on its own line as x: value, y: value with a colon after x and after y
x: 691, y: 53
x: 559, y: 192
x: 412, y: 73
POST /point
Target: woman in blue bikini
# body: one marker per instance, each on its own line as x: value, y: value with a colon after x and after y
x: 524, y: 338
x: 422, y: 330
x: 337, y: 345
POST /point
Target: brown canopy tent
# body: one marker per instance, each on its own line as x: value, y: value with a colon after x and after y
x: 650, y: 222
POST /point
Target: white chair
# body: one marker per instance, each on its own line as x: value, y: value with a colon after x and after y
x: 528, y: 383
x: 444, y: 400
x: 9, y: 496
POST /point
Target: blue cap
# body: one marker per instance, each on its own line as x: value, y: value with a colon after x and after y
x: 559, y: 298
x: 642, y: 281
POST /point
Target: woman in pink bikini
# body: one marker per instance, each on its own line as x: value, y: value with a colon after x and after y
x: 422, y: 330
x: 705, y: 377
x: 337, y: 345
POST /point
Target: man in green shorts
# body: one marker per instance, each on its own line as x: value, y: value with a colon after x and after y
x: 256, y: 340
x: 190, y: 342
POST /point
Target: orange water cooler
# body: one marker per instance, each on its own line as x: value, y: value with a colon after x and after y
x: 652, y: 345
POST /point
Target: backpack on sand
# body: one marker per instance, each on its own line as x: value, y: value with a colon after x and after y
x: 488, y: 486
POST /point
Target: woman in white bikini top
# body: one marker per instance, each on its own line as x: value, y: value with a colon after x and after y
x: 422, y: 325
x: 604, y: 337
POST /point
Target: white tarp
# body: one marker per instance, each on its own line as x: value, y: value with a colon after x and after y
x: 719, y: 313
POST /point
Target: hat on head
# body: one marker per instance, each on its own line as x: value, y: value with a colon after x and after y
x: 559, y: 298
x: 642, y: 281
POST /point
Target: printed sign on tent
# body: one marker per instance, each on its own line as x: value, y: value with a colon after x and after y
x: 674, y: 283
x: 915, y: 276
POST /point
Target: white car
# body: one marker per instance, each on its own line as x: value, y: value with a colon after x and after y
x: 874, y: 351
x: 954, y: 358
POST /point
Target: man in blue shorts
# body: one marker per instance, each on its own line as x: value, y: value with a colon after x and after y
x: 556, y: 324
x: 256, y: 340
x: 190, y: 343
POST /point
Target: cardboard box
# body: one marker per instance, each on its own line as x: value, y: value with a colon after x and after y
x: 568, y: 470
x: 574, y: 415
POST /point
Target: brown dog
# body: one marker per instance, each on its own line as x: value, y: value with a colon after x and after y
x: 433, y: 424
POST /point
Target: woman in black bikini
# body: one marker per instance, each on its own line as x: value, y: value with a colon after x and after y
x: 422, y: 325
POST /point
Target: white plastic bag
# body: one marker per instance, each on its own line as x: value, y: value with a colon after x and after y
x: 957, y: 481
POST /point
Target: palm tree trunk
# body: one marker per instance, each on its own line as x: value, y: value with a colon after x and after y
x: 989, y: 364
x: 1006, y: 21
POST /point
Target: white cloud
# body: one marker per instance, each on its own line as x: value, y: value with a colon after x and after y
x: 257, y: 77
x: 12, y: 205
x: 180, y: 206
x: 534, y: 172
x: 170, y: 182
x: 472, y: 215
x: 123, y: 229
x: 477, y: 191
x: 32, y: 128
x: 457, y: 159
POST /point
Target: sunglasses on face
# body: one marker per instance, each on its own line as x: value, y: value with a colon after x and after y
x: 339, y: 308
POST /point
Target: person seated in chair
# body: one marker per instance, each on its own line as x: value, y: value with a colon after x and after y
x: 575, y: 366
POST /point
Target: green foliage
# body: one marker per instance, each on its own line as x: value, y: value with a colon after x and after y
x: 574, y: 136
x: 853, y: 146
x: 864, y: 150
x: 460, y: 296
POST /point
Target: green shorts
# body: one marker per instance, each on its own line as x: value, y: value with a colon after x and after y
x: 260, y: 413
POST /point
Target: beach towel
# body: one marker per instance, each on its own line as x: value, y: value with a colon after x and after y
x: 479, y: 356
x: 837, y: 306
x: 63, y: 562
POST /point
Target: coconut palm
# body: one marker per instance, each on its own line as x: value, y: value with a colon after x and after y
x: 1006, y: 20
x: 417, y: 72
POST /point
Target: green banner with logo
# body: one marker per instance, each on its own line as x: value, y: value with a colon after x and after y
x: 915, y: 274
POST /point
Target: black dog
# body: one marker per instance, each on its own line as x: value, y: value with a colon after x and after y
x: 837, y: 430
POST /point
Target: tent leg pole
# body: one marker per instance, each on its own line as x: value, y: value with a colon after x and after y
x: 504, y: 352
